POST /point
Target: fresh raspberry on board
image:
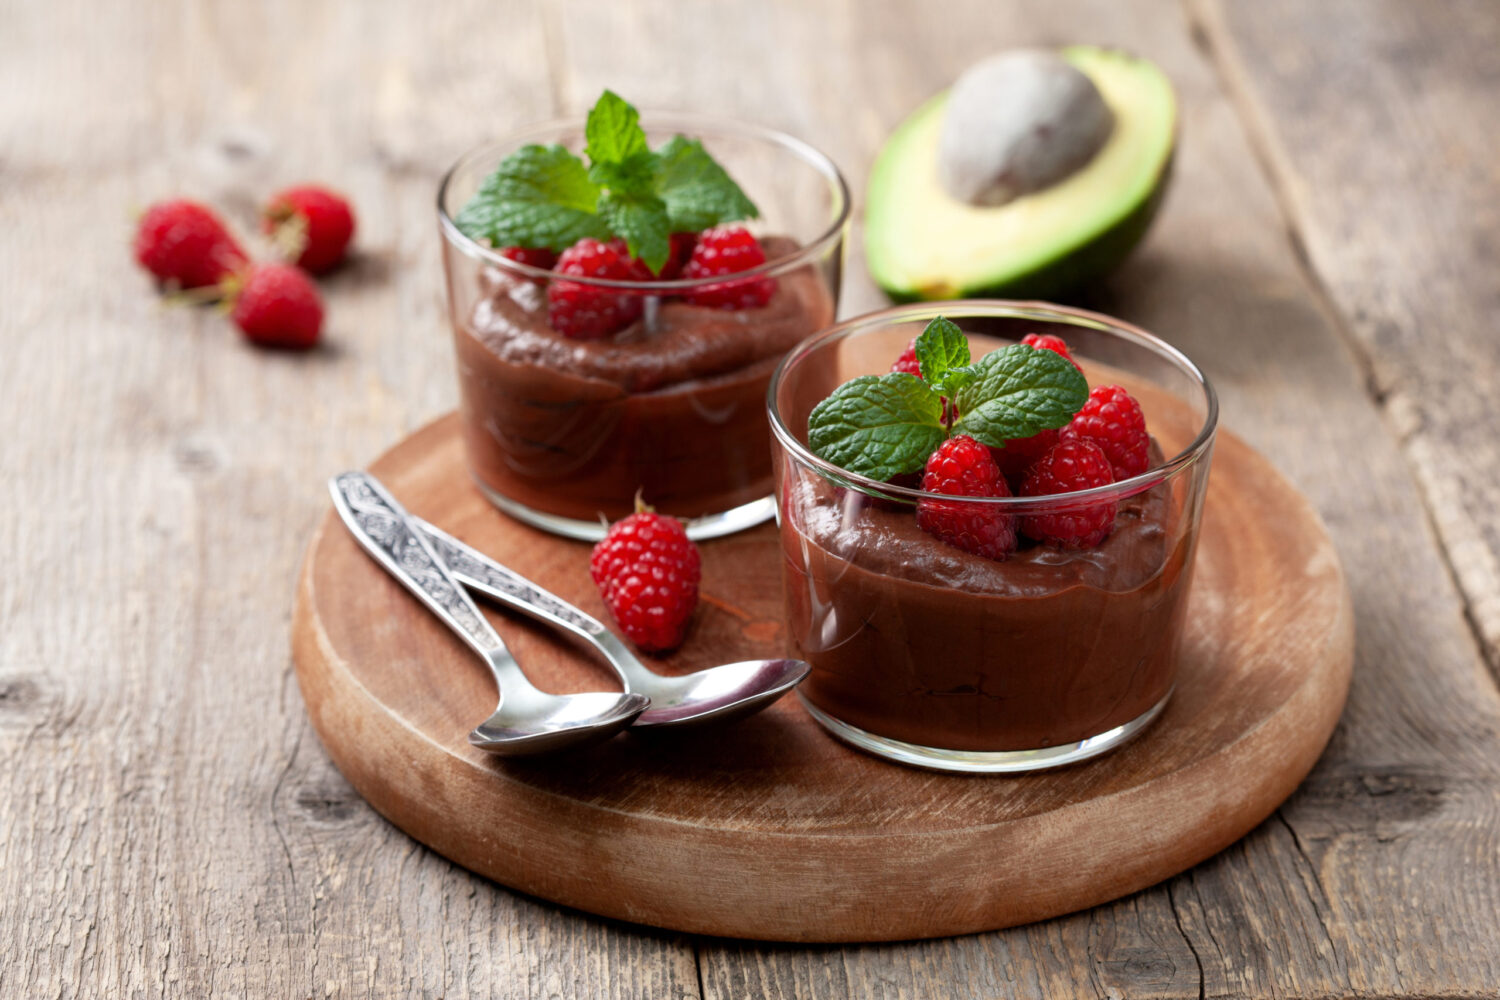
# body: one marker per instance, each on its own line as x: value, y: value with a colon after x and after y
x: 962, y: 467
x: 1073, y: 464
x: 728, y: 250
x: 186, y: 244
x: 530, y: 256
x: 582, y: 312
x: 1113, y: 420
x: 907, y: 362
x: 276, y: 305
x: 1048, y: 342
x: 312, y: 224
x: 647, y: 571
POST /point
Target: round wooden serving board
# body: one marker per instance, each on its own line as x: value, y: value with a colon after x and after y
x: 770, y: 828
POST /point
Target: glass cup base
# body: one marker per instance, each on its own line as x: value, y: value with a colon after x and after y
x: 985, y: 761
x: 728, y: 522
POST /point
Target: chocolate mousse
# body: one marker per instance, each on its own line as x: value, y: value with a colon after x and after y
x: 671, y: 407
x: 913, y: 639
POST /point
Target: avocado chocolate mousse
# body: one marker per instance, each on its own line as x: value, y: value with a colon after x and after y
x: 671, y: 406
x: 616, y: 321
x: 1024, y: 606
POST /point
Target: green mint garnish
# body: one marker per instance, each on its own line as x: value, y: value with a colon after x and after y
x: 943, y: 356
x: 613, y: 130
x: 881, y: 426
x: 545, y: 196
x: 878, y: 425
x: 641, y: 221
x: 698, y: 192
x: 540, y: 196
x: 1018, y: 391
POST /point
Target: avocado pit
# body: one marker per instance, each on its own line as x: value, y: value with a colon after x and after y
x: 1019, y: 122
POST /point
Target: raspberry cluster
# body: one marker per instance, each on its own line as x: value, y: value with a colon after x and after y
x: 582, y: 311
x: 190, y: 251
x: 1105, y: 442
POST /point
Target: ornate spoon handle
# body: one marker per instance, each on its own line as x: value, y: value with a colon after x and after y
x: 479, y: 571
x: 388, y: 534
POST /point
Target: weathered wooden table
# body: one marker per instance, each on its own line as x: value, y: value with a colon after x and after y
x: 169, y: 826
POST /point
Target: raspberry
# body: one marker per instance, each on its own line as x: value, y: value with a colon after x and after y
x: 313, y: 223
x: 1073, y: 464
x: 908, y: 361
x: 276, y: 305
x: 647, y: 571
x: 1019, y: 453
x: 680, y: 254
x: 531, y: 256
x: 728, y: 250
x: 1047, y: 342
x: 185, y: 243
x: 963, y: 467
x: 1113, y: 420
x: 582, y: 312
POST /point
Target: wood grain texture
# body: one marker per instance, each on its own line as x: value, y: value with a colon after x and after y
x: 772, y: 829
x: 169, y: 825
x: 1412, y: 774
x: 1379, y: 124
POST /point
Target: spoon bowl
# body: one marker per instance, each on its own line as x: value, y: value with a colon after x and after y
x: 716, y: 694
x: 556, y: 721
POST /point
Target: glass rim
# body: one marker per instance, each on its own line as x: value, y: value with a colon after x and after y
x: 682, y: 122
x: 1015, y: 309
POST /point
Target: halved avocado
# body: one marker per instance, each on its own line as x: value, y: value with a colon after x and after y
x: 921, y: 243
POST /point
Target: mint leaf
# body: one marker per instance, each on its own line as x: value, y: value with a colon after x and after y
x: 941, y: 346
x: 697, y: 191
x: 1016, y: 392
x: 642, y: 222
x: 635, y: 175
x: 878, y: 425
x: 613, y: 130
x: 539, y: 196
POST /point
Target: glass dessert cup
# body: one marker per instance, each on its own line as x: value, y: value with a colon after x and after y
x: 560, y: 433
x: 931, y: 656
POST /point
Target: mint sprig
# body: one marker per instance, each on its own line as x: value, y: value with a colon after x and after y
x: 1018, y: 391
x: 540, y: 196
x: 878, y: 425
x: 545, y: 196
x: 613, y: 130
x: 699, y: 193
x: 881, y: 426
x: 943, y: 356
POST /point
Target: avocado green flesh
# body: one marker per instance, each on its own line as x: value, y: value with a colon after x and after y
x: 923, y: 244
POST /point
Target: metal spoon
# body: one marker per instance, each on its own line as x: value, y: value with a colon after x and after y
x: 526, y: 721
x: 716, y: 694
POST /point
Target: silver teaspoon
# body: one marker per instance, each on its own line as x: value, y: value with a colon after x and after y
x: 527, y: 720
x: 716, y: 694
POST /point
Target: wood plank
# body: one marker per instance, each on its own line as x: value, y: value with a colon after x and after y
x: 1392, y: 837
x: 169, y: 825
x: 1378, y: 122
